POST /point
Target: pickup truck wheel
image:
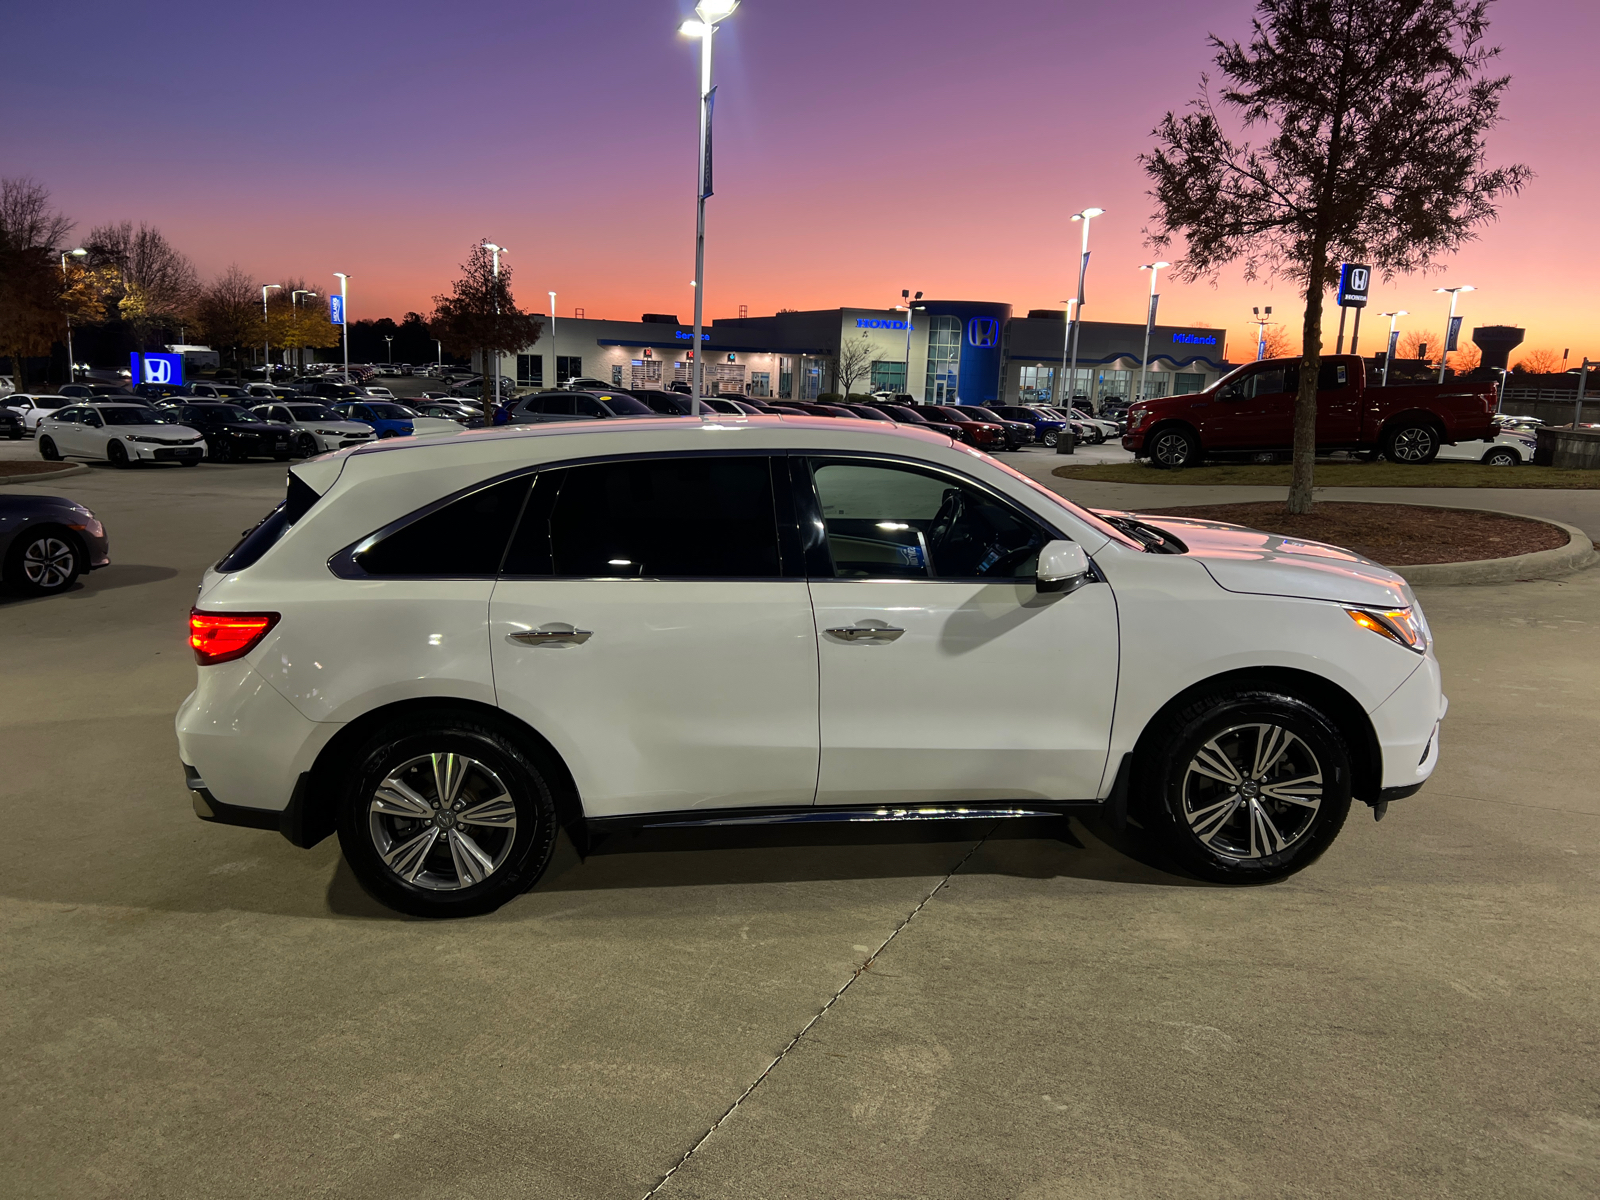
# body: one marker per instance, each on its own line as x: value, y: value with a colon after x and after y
x: 1174, y: 447
x: 1245, y: 786
x: 1411, y: 442
x: 1502, y: 456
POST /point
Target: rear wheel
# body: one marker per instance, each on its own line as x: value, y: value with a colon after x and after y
x: 48, y: 451
x: 1502, y: 456
x: 1411, y: 442
x: 1244, y: 787
x: 447, y: 817
x: 1174, y: 447
x: 43, y: 562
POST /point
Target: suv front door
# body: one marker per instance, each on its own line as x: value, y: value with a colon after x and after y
x: 945, y: 674
x: 647, y: 624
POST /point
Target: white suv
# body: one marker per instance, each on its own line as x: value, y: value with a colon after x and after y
x: 446, y: 649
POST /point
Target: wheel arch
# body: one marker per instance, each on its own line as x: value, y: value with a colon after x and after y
x: 28, y: 532
x: 1411, y: 416
x: 1166, y: 423
x: 313, y: 813
x: 1366, y: 755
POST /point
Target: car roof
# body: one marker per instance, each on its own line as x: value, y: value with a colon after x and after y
x: 107, y: 404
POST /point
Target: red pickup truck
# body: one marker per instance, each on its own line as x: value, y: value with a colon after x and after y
x: 1251, y: 411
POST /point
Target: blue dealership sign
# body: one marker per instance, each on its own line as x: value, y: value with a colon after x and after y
x: 336, y: 310
x: 983, y: 332
x: 1195, y: 339
x: 875, y: 323
x: 1354, y: 281
x: 689, y: 337
x: 156, y: 368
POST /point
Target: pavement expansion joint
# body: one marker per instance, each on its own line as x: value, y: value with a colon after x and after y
x: 818, y: 1015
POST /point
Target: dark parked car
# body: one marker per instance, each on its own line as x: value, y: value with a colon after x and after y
x: 228, y: 392
x: 151, y: 392
x: 327, y: 389
x: 1047, y: 423
x: 576, y: 406
x: 92, y: 391
x: 985, y: 435
x: 1018, y: 433
x: 666, y: 404
x: 907, y: 415
x: 46, y: 542
x: 234, y: 434
x: 12, y: 426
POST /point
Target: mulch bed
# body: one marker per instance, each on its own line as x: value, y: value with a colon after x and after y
x: 1397, y: 535
x: 31, y: 468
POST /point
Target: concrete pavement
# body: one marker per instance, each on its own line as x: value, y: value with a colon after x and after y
x: 196, y: 1010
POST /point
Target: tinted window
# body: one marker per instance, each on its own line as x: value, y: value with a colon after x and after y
x: 463, y: 540
x: 892, y: 522
x: 388, y: 412
x: 131, y: 416
x: 626, y: 406
x: 1268, y: 383
x: 659, y: 518
x: 70, y: 415
x: 555, y: 406
x: 588, y: 406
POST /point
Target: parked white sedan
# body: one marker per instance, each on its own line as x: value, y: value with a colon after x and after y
x: 121, y: 434
x: 1508, y: 449
x: 32, y: 408
x: 318, y: 428
x: 445, y: 649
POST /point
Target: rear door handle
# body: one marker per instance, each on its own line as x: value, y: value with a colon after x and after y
x: 862, y: 633
x: 546, y: 637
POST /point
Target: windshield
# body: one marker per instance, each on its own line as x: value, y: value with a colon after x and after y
x: 223, y: 390
x: 391, y: 412
x: 312, y: 412
x: 1100, y: 524
x: 985, y: 413
x: 131, y: 416
x: 627, y: 406
x: 905, y: 415
x: 232, y: 412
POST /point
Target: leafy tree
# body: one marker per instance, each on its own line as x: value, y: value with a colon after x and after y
x: 1372, y: 115
x: 299, y: 326
x: 480, y: 317
x: 157, y: 287
x: 32, y: 304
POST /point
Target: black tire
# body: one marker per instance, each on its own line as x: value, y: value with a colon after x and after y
x: 1411, y: 441
x: 1501, y: 456
x: 16, y: 433
x: 218, y: 451
x: 1201, y: 791
x: 188, y: 462
x: 117, y: 455
x: 306, y: 446
x: 1174, y: 447
x: 370, y: 827
x: 48, y: 451
x: 43, y: 561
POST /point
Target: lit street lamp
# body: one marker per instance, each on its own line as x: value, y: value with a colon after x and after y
x: 1149, y: 320
x: 266, y: 334
x: 905, y: 294
x: 1085, y: 216
x: 72, y: 367
x: 1261, y: 323
x: 710, y: 12
x: 497, y: 251
x: 1444, y: 355
x: 344, y: 314
x: 1394, y: 336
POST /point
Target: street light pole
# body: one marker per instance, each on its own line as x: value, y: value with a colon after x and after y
x: 905, y: 294
x: 497, y: 251
x: 1149, y: 321
x: 1085, y: 216
x: 266, y: 334
x: 1059, y: 395
x: 1261, y: 323
x: 555, y: 374
x: 1444, y: 353
x: 709, y: 12
x: 294, y: 316
x: 344, y: 314
x: 1394, y: 335
x: 72, y: 367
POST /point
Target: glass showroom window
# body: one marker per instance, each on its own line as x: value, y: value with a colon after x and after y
x: 1115, y: 385
x: 1184, y: 384
x: 530, y: 370
x: 567, y: 368
x: 1155, y: 385
x: 889, y: 377
x: 1035, y: 384
x: 761, y: 383
x: 812, y: 377
x: 944, y: 357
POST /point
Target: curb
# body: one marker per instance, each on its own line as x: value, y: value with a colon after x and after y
x: 1577, y: 554
x: 42, y: 476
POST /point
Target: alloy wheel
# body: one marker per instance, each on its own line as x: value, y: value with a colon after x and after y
x: 1413, y: 444
x: 1252, y: 791
x: 48, y: 563
x: 1171, y: 450
x: 442, y: 822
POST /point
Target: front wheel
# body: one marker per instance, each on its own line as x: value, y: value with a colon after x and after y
x: 1244, y: 787
x: 306, y: 446
x: 1174, y: 448
x: 48, y: 451
x: 1050, y: 438
x: 447, y: 817
x: 117, y: 454
x: 42, y: 563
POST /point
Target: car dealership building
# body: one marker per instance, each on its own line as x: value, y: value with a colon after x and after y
x: 943, y: 352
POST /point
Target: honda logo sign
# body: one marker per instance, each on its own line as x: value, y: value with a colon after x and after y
x: 983, y: 332
x: 157, y: 368
x: 1354, y: 280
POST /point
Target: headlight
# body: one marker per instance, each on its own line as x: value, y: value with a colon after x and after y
x: 1136, y: 418
x: 1397, y: 624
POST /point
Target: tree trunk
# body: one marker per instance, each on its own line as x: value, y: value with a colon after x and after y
x: 1305, y: 401
x: 488, y: 383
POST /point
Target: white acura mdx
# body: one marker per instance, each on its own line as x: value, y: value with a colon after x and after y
x: 447, y: 649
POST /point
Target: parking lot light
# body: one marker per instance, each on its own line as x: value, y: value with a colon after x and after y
x: 344, y: 311
x: 497, y: 251
x: 266, y: 333
x: 1149, y: 320
x: 1085, y: 216
x: 1388, y: 354
x: 1444, y: 354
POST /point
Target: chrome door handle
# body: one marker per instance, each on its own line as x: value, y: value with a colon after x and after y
x: 546, y: 637
x: 861, y: 633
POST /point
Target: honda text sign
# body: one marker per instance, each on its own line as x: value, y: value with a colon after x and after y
x: 157, y: 368
x: 336, y: 310
x: 1354, y: 280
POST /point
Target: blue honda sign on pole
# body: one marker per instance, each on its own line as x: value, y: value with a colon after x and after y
x: 156, y: 368
x: 336, y: 310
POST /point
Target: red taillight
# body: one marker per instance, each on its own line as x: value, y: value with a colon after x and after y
x: 222, y: 637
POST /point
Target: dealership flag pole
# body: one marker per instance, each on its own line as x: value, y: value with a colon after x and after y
x: 344, y: 318
x: 1085, y: 216
x: 1149, y: 321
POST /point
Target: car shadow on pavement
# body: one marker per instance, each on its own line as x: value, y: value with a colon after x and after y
x: 117, y: 575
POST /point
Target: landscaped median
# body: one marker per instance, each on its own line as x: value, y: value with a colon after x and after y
x: 31, y: 472
x: 1340, y: 474
x: 1425, y: 543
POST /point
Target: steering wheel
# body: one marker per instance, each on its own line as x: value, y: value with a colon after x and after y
x: 951, y: 511
x: 1006, y: 565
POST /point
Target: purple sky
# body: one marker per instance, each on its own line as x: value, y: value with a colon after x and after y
x: 861, y: 148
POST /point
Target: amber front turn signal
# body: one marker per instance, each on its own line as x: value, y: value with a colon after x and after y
x: 1396, y: 624
x: 222, y: 637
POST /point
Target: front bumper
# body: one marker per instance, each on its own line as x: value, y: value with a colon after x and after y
x: 1408, y: 726
x: 148, y: 453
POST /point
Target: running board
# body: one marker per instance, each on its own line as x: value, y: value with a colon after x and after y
x: 811, y: 816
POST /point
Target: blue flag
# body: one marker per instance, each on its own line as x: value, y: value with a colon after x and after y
x: 711, y: 104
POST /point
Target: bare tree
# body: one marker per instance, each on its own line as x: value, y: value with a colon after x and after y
x: 228, y: 312
x: 158, y: 283
x: 854, y: 362
x: 32, y: 285
x: 1374, y: 114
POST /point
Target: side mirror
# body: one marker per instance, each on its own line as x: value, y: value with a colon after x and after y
x: 1231, y: 392
x: 1063, y: 567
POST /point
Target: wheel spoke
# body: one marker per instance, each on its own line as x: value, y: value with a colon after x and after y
x: 1270, y: 840
x: 406, y: 859
x: 1305, y: 791
x: 472, y: 864
x: 1271, y: 743
x: 396, y: 798
x: 448, y: 772
x: 1208, y: 822
x: 1210, y: 761
x: 499, y: 812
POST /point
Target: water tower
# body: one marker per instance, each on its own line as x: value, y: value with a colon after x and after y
x: 1497, y: 342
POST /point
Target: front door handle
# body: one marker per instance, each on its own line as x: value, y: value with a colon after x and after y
x: 546, y: 637
x: 862, y: 633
